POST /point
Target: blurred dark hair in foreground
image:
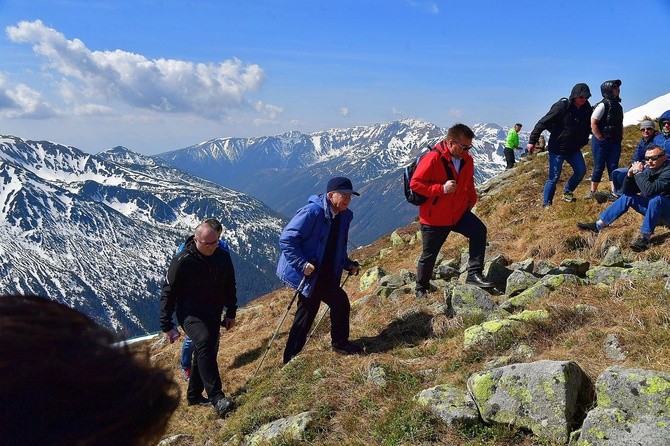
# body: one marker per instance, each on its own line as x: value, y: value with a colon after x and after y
x: 63, y: 382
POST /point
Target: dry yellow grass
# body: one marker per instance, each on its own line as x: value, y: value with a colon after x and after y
x: 418, y: 350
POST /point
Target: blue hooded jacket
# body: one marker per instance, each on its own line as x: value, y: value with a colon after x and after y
x: 663, y: 139
x: 304, y: 240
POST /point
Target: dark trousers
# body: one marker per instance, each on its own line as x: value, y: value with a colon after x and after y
x: 329, y: 292
x: 509, y: 157
x: 433, y: 237
x: 205, y: 369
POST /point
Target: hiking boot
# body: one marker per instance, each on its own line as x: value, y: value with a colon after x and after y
x: 593, y: 227
x: 613, y: 196
x: 223, y: 406
x: 600, y: 197
x: 347, y: 348
x: 199, y: 401
x: 476, y: 279
x: 590, y: 195
x: 421, y: 294
x: 569, y: 197
x: 186, y: 373
x: 641, y: 244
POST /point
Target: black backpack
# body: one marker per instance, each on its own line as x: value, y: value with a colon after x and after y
x: 412, y: 197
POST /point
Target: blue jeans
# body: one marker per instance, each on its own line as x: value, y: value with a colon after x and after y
x: 186, y: 353
x: 617, y: 177
x: 653, y: 209
x: 576, y: 161
x: 605, y: 153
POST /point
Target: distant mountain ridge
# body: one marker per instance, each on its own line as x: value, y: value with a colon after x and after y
x: 97, y: 231
x: 283, y: 170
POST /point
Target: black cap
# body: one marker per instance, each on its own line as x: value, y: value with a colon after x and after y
x: 341, y: 184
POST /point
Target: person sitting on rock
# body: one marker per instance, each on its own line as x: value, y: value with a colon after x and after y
x: 646, y: 189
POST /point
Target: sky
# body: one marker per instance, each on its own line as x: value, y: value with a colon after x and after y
x: 155, y: 76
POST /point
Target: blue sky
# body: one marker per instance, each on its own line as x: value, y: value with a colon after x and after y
x: 162, y: 75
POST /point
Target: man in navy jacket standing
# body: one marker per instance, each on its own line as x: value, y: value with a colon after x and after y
x: 314, y: 246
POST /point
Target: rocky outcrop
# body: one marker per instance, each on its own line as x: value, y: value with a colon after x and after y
x: 292, y: 428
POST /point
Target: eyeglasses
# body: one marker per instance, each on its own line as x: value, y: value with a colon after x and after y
x: 664, y: 123
x: 652, y: 158
x: 462, y: 146
x: 210, y: 244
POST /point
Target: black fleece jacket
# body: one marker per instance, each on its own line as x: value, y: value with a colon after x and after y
x: 198, y: 285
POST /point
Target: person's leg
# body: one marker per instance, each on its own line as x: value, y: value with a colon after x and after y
x: 186, y: 353
x: 509, y: 157
x: 204, y: 370
x: 612, y: 161
x: 619, y: 207
x: 655, y: 209
x: 576, y: 161
x: 432, y: 239
x: 340, y: 309
x: 308, y: 307
x: 598, y: 150
x: 474, y: 229
x: 618, y: 175
x: 555, y: 168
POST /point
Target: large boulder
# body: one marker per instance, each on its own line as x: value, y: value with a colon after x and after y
x: 549, y: 398
x: 470, y: 300
x: 633, y: 408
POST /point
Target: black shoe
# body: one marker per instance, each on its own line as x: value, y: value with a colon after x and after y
x: 641, y: 244
x: 223, y: 406
x: 199, y: 401
x: 593, y: 227
x: 476, y: 279
x: 347, y: 348
x: 421, y: 294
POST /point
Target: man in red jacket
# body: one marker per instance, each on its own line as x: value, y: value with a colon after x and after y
x: 451, y: 196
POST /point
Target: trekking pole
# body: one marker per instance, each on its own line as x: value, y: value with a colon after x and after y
x: 325, y: 312
x: 288, y: 308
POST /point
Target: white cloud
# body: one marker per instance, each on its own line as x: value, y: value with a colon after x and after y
x: 344, y: 111
x: 271, y: 111
x: 395, y: 112
x: 88, y: 77
x: 429, y: 7
x: 20, y: 101
x: 455, y: 113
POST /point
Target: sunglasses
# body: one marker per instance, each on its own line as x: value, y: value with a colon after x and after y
x: 646, y: 130
x: 462, y: 146
x: 652, y: 158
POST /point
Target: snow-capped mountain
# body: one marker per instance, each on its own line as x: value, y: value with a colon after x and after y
x: 97, y: 232
x: 284, y: 170
x: 653, y: 109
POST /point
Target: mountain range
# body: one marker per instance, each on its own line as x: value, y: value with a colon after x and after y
x: 97, y: 232
x: 283, y: 170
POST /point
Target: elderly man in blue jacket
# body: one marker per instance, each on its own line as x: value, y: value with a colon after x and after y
x: 314, y: 247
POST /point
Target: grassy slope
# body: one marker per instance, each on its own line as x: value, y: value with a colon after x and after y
x: 418, y: 351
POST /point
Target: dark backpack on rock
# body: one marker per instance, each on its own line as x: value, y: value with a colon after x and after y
x: 413, y: 197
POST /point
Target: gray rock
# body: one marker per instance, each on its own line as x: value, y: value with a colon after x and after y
x: 471, y: 300
x: 396, y: 239
x: 525, y: 265
x: 578, y: 267
x: 496, y: 273
x: 371, y: 277
x: 613, y: 349
x: 293, y: 427
x: 377, y: 376
x: 533, y: 294
x: 519, y: 281
x: 392, y: 281
x: 613, y: 257
x: 449, y: 403
x: 546, y: 397
x: 633, y: 409
x: 445, y: 272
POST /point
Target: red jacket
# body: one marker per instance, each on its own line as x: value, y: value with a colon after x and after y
x: 428, y: 179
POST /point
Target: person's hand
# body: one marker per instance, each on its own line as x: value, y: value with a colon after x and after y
x: 636, y: 167
x: 449, y: 186
x: 308, y: 269
x: 228, y: 323
x: 172, y: 335
x: 530, y: 148
x: 353, y: 271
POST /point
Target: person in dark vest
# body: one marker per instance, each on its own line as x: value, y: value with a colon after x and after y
x: 607, y: 129
x: 313, y: 246
x: 568, y: 123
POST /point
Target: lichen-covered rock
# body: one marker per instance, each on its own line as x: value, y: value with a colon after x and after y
x: 533, y: 294
x: 470, y: 300
x: 291, y: 427
x: 377, y: 376
x: 633, y: 408
x: 613, y: 348
x: 396, y: 239
x: 578, y: 267
x: 613, y: 257
x: 525, y: 265
x: 546, y: 397
x: 371, y: 277
x: 553, y: 281
x: 449, y: 404
x: 392, y: 281
x: 519, y: 281
x: 398, y: 293
x: 445, y: 272
x: 486, y: 332
x: 496, y: 272
x: 533, y: 316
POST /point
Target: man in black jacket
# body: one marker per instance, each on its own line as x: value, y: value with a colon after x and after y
x: 569, y: 123
x: 200, y: 282
x: 645, y: 189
